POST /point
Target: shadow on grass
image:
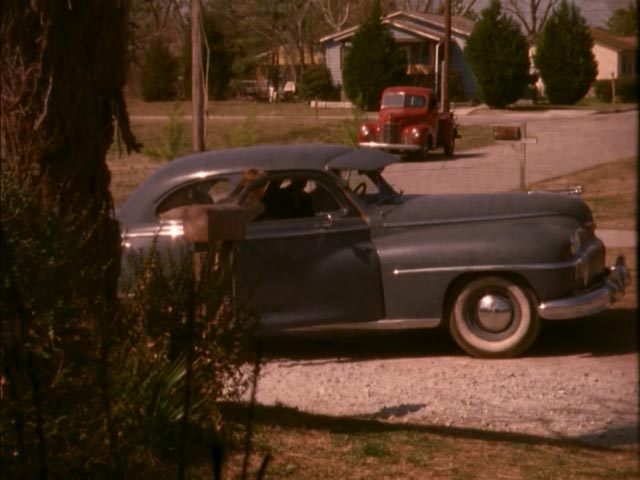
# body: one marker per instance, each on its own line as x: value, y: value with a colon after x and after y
x: 613, y: 332
x: 282, y: 417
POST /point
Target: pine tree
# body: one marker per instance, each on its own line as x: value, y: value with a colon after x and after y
x: 497, y: 51
x: 564, y: 56
x: 373, y: 63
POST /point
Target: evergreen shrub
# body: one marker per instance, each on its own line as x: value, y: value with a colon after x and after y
x: 499, y: 56
x: 373, y: 62
x: 316, y: 84
x: 564, y: 56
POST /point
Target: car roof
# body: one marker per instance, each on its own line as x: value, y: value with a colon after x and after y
x: 409, y: 89
x: 272, y: 158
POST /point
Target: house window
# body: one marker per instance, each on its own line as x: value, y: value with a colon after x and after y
x: 628, y: 64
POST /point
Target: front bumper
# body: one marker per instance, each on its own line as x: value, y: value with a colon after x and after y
x: 391, y: 147
x: 593, y: 301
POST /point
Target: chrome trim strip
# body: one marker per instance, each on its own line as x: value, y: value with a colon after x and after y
x: 491, y: 268
x: 449, y: 221
x: 391, y: 146
x: 383, y: 324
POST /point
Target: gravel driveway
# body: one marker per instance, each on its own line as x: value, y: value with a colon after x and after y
x: 580, y: 381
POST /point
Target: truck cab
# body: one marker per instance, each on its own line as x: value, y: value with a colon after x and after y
x: 409, y: 122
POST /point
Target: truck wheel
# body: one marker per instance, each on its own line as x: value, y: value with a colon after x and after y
x: 493, y: 317
x: 426, y: 146
x: 450, y: 146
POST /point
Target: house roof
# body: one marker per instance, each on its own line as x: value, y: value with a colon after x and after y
x: 424, y: 25
x: 614, y: 42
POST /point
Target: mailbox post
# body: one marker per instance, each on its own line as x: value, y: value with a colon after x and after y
x: 516, y: 134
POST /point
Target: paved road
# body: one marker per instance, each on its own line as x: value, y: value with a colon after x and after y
x: 567, y: 141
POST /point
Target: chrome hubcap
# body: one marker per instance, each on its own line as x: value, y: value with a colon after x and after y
x: 494, y: 313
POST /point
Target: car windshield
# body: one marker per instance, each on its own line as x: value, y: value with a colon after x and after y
x: 399, y: 100
x: 369, y: 186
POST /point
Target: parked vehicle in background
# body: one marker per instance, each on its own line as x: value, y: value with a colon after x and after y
x: 334, y: 247
x: 409, y: 122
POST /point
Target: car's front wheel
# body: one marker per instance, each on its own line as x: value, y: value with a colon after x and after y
x: 493, y: 317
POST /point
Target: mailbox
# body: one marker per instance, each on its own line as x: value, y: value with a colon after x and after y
x: 209, y: 223
x: 506, y: 133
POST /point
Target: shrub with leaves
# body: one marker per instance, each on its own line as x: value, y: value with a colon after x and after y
x: 626, y: 89
x: 173, y: 143
x: 498, y: 53
x: 176, y: 325
x: 316, y: 83
x: 373, y: 62
x: 564, y: 56
x: 53, y: 394
x: 159, y: 73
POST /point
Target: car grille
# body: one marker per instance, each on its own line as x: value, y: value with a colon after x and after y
x: 390, y: 132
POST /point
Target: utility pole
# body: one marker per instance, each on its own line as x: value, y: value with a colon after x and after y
x: 197, y: 87
x: 447, y: 58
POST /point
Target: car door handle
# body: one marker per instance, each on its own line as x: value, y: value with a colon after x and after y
x: 327, y: 221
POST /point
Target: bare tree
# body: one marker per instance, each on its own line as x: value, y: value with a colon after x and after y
x: 532, y: 14
x: 277, y: 26
x: 458, y: 7
x: 151, y: 18
x: 422, y: 6
x: 335, y: 12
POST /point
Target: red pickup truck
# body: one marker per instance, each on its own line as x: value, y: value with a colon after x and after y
x: 409, y: 122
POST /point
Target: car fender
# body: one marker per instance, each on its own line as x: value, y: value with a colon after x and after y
x: 419, y: 264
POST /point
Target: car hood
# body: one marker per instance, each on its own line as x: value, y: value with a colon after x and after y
x: 433, y: 209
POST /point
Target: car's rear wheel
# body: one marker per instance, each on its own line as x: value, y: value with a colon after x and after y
x: 493, y: 317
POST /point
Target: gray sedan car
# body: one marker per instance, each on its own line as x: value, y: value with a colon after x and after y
x: 333, y: 246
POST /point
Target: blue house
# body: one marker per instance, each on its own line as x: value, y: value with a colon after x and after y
x: 421, y: 35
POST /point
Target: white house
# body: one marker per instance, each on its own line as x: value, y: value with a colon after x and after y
x: 616, y: 56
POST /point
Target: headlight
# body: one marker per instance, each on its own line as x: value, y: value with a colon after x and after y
x: 415, y: 133
x: 364, y: 131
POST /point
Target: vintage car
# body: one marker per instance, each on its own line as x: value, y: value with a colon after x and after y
x: 335, y: 247
x: 410, y: 123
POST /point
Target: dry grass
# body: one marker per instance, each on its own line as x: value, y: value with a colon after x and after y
x: 611, y: 190
x: 307, y: 446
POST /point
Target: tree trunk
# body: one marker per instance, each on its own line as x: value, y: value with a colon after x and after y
x: 63, y: 70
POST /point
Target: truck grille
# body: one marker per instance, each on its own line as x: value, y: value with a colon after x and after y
x: 390, y: 132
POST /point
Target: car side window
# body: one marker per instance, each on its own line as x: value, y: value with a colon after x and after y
x: 202, y: 193
x: 292, y: 197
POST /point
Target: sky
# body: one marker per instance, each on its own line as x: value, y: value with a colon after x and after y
x: 596, y: 12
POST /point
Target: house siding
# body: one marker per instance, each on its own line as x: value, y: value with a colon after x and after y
x: 333, y: 59
x: 607, y: 61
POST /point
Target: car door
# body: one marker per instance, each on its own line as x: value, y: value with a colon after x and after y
x: 308, y: 261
